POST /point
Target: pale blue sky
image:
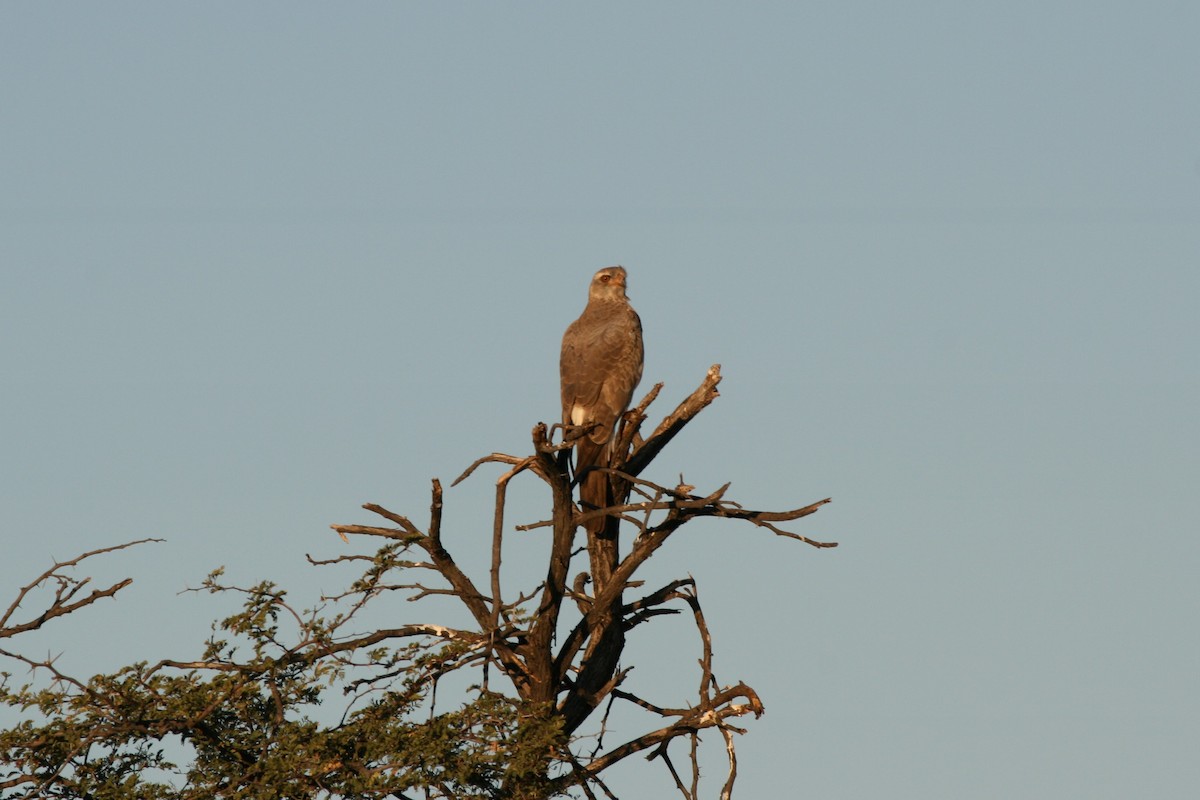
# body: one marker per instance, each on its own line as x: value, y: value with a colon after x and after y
x: 262, y: 263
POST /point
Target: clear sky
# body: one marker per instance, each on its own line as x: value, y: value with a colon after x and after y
x: 260, y: 263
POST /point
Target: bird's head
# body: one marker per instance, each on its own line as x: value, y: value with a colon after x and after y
x: 608, y: 284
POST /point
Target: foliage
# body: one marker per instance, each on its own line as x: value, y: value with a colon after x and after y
x: 247, y: 727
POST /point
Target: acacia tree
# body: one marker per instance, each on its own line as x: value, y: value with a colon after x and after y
x: 242, y: 720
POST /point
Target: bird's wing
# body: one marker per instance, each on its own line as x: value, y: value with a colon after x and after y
x: 600, y: 366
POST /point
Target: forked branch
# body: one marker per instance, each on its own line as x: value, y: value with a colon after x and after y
x: 67, y: 589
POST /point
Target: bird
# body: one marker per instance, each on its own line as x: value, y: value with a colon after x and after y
x: 600, y: 366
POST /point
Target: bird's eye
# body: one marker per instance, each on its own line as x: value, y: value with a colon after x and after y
x: 605, y: 278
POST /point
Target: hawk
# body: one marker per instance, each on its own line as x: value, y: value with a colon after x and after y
x: 600, y: 366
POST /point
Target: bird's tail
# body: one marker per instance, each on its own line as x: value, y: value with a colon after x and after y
x: 595, y: 492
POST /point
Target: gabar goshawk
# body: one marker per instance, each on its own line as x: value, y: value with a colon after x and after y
x: 600, y: 366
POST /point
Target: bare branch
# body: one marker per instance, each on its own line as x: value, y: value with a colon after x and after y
x: 67, y: 589
x: 631, y: 422
x: 727, y: 789
x: 497, y: 546
x: 387, y: 533
x: 402, y: 521
x: 493, y: 458
x: 674, y: 422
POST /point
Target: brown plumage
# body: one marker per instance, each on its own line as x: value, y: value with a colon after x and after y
x: 600, y: 366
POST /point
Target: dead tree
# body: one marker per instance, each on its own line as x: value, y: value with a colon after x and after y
x: 549, y: 660
x: 569, y: 674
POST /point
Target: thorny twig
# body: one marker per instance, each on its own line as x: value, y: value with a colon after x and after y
x: 66, y: 589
